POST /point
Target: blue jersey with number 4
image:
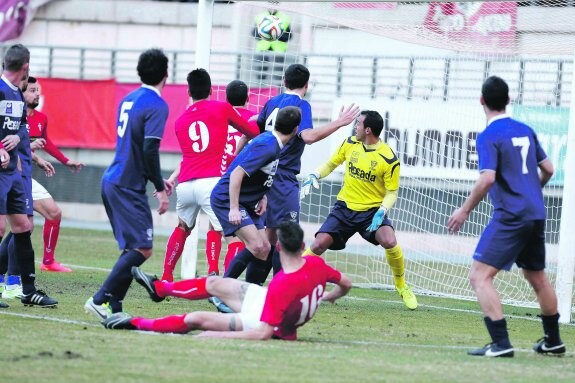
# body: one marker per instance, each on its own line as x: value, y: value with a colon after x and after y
x: 141, y: 114
x: 259, y: 160
x: 511, y: 149
x: 290, y: 158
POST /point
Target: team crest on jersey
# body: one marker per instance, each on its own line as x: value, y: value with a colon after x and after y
x: 293, y: 215
x: 244, y: 213
x: 373, y: 165
x: 8, y: 108
x: 354, y: 157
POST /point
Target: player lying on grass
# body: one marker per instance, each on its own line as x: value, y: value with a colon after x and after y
x: 289, y: 302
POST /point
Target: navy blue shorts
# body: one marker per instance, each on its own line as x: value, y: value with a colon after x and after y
x: 12, y: 193
x: 342, y: 223
x: 506, y: 242
x: 222, y: 210
x: 283, y: 201
x: 29, y: 201
x: 130, y: 216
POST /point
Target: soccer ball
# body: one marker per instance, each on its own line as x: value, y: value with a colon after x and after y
x: 270, y: 28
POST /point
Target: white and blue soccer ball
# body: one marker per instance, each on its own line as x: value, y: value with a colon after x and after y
x: 270, y: 28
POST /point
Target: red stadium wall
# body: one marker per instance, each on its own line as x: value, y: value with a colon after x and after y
x: 82, y: 114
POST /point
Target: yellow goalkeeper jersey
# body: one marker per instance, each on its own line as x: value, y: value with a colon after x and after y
x: 370, y: 172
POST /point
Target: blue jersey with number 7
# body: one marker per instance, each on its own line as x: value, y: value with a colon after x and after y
x: 511, y: 149
x: 141, y: 114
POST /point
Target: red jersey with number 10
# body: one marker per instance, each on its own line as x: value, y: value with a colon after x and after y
x: 293, y: 298
x: 202, y: 132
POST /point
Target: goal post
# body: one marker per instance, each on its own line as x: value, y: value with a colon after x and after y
x: 421, y: 65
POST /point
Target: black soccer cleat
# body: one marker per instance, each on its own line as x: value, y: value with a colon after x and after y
x: 38, y: 298
x: 119, y: 321
x: 542, y: 347
x: 220, y: 305
x: 492, y: 350
x: 147, y: 281
x: 3, y: 305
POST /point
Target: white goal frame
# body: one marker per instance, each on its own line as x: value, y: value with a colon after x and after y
x: 566, y: 257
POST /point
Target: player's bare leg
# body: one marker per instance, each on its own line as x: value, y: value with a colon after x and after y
x: 320, y: 245
x: 551, y: 342
x: 48, y: 209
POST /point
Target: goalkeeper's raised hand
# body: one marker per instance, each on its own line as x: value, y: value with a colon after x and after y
x: 311, y: 180
x: 377, y: 219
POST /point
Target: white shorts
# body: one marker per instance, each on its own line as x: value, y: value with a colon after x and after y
x: 252, y: 307
x: 195, y: 195
x: 38, y: 191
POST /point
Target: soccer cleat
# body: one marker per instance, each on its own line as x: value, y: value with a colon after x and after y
x: 408, y: 297
x: 102, y: 311
x: 147, y: 281
x: 220, y: 306
x: 38, y: 298
x: 3, y: 305
x: 492, y: 350
x: 1, y: 288
x: 119, y: 321
x: 542, y: 347
x: 12, y: 292
x: 55, y: 267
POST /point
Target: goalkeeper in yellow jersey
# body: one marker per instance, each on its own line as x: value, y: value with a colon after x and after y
x: 369, y: 190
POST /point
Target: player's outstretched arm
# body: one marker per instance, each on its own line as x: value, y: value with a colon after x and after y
x: 263, y: 332
x: 346, y: 117
x: 74, y: 166
x: 340, y: 289
x: 480, y: 189
x: 46, y: 166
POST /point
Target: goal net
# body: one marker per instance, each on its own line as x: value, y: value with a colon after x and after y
x: 421, y: 65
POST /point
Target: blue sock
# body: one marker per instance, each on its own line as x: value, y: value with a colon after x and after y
x: 239, y: 264
x: 114, y: 288
x: 258, y: 270
x: 12, y: 280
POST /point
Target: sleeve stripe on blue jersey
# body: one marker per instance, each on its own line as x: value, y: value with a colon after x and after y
x: 157, y: 138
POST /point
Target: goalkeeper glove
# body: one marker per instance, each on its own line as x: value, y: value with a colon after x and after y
x: 311, y: 180
x: 377, y: 219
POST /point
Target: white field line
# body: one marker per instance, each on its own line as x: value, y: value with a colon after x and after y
x: 308, y: 340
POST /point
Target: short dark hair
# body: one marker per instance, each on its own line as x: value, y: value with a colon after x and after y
x: 199, y: 84
x: 296, y: 76
x: 152, y: 66
x: 32, y: 80
x: 288, y: 119
x: 495, y: 92
x: 373, y: 121
x: 237, y: 93
x: 290, y: 236
x: 15, y: 57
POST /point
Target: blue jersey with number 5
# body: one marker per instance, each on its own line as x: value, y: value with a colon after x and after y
x: 290, y: 158
x: 511, y: 149
x: 141, y: 114
x: 259, y: 160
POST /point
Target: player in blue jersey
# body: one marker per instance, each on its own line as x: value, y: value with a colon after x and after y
x: 513, y: 169
x: 239, y: 198
x: 283, y: 197
x: 13, y: 195
x: 142, y: 116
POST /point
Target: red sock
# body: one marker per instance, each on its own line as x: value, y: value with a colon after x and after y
x: 51, y: 233
x: 192, y: 289
x: 213, y: 248
x: 173, y: 323
x: 233, y: 249
x: 174, y: 250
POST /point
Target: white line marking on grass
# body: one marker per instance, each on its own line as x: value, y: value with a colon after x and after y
x: 48, y: 318
x: 468, y: 311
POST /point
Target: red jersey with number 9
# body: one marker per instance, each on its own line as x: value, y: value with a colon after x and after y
x: 202, y: 132
x: 293, y: 298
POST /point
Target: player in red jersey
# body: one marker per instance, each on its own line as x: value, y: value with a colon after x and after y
x: 238, y: 96
x: 289, y: 302
x: 202, y: 131
x: 43, y: 201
